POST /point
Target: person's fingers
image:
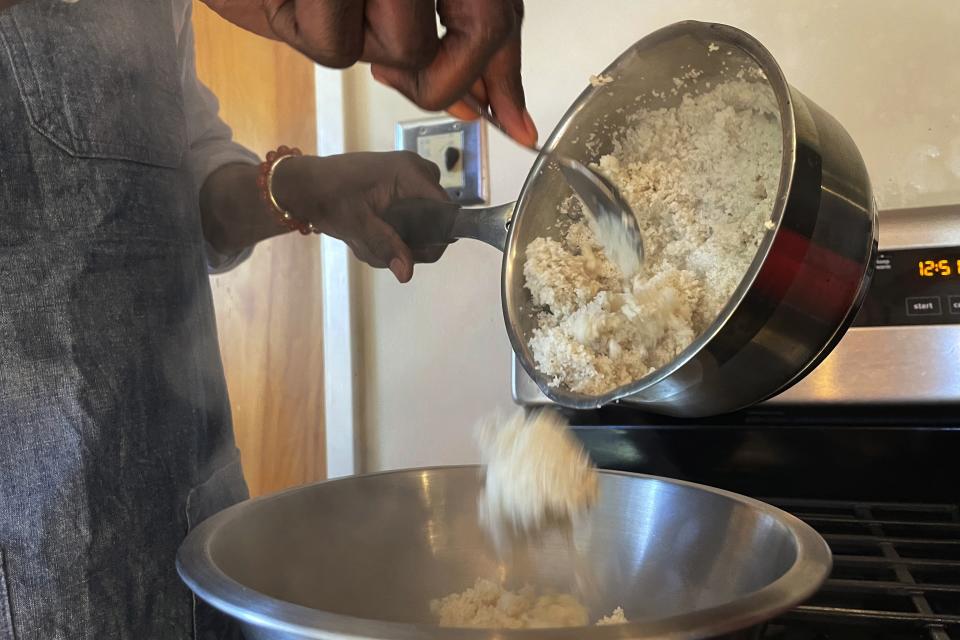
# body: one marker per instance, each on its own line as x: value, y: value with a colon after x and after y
x: 475, y: 31
x: 400, y: 33
x: 360, y: 251
x: 433, y: 169
x: 353, y: 246
x: 422, y: 255
x: 479, y: 92
x: 429, y: 255
x: 501, y: 86
x: 426, y: 229
x: 463, y: 111
x: 437, y: 174
x: 416, y: 177
x: 364, y: 256
x: 387, y: 248
x: 504, y: 87
x: 330, y: 32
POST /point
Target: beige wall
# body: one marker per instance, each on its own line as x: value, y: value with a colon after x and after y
x: 435, y: 353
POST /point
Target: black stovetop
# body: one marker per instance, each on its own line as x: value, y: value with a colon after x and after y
x: 881, y: 485
x: 896, y: 572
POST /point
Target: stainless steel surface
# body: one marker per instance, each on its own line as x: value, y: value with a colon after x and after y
x: 920, y: 227
x: 885, y: 365
x: 422, y: 223
x: 601, y: 198
x: 870, y: 365
x: 362, y: 557
x: 489, y: 225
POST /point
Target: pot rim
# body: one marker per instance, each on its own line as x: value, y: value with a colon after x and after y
x: 198, y: 570
x: 722, y: 34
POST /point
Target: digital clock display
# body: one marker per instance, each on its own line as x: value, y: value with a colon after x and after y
x: 938, y: 267
x: 914, y: 287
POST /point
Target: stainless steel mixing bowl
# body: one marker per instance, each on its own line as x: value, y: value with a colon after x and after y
x: 807, y: 280
x: 362, y: 558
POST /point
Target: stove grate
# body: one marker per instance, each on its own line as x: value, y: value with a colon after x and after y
x: 894, y: 564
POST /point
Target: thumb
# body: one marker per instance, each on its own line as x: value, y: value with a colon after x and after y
x: 505, y: 90
x: 387, y: 248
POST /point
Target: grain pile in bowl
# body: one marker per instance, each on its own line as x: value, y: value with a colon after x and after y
x: 701, y: 179
x: 537, y: 477
x: 487, y: 605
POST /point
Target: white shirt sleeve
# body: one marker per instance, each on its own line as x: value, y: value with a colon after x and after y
x: 210, y: 140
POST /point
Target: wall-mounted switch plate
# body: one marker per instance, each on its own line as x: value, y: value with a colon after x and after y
x: 458, y: 148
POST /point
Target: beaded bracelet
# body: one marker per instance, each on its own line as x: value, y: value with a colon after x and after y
x: 265, y: 183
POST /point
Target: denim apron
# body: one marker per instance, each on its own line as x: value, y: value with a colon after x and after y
x: 115, y: 432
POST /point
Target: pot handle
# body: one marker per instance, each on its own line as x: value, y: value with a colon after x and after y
x: 424, y: 223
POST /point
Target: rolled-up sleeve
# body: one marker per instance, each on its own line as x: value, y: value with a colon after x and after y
x: 211, y: 143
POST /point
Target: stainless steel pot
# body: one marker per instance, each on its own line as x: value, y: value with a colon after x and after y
x: 803, y: 288
x: 362, y: 558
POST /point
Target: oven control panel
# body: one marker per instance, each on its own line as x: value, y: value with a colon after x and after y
x: 913, y: 286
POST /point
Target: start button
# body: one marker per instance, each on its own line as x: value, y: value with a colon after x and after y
x: 924, y: 306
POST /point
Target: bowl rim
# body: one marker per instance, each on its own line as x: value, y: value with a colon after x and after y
x: 197, y: 569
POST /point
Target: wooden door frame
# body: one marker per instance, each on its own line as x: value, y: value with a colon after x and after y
x: 339, y: 273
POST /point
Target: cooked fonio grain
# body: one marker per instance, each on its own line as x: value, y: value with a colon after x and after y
x: 536, y: 472
x: 487, y: 605
x: 701, y: 178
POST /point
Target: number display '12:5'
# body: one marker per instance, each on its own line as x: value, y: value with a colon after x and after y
x: 930, y: 268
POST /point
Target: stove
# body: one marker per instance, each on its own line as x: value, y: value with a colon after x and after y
x: 896, y: 567
x: 866, y: 449
x: 881, y: 486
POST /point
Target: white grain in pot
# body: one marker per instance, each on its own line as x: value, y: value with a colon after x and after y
x: 701, y: 178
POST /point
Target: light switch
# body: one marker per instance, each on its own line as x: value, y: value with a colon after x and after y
x: 458, y: 148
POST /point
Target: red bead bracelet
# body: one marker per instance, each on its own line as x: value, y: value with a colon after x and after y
x: 265, y: 184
